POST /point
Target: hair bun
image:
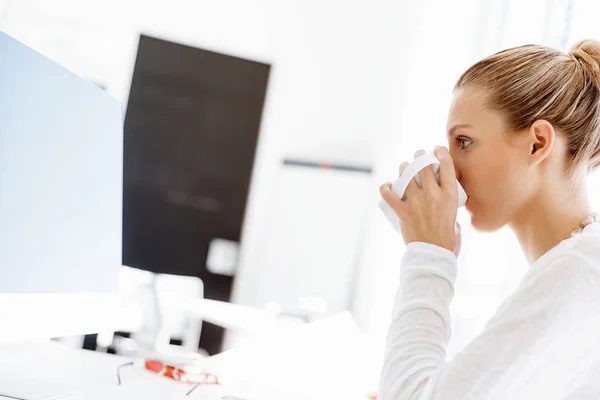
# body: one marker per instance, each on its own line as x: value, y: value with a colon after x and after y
x: 588, y: 52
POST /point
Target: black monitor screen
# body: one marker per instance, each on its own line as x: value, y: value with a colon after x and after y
x: 191, y: 131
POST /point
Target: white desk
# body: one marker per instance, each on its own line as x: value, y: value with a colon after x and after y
x: 320, y: 361
x: 92, y: 374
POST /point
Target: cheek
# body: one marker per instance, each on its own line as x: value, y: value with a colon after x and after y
x: 483, y: 185
x: 491, y: 189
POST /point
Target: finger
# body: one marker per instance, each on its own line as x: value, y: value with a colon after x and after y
x: 426, y: 175
x: 412, y: 184
x: 402, y: 167
x: 419, y: 153
x: 447, y: 172
x: 386, y: 185
x: 412, y: 187
x: 401, y: 170
x: 391, y: 198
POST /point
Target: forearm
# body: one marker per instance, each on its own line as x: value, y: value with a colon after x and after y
x: 420, y: 328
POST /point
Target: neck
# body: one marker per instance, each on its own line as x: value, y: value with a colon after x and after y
x: 551, y: 217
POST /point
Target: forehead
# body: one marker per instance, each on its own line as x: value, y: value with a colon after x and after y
x: 465, y: 102
x: 469, y: 108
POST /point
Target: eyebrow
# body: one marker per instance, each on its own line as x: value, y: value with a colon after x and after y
x: 455, y: 127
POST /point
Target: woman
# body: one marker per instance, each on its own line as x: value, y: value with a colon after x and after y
x: 524, y: 130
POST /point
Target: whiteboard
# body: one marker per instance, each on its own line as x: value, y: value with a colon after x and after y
x: 310, y: 240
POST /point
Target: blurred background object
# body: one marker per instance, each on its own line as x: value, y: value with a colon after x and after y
x: 237, y: 114
x: 190, y: 137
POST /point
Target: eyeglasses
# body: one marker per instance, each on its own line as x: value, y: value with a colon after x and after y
x: 209, y: 379
x: 119, y: 371
x: 198, y: 378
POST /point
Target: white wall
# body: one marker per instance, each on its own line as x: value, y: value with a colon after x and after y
x: 442, y: 41
x: 333, y: 84
x: 449, y: 37
x: 352, y: 81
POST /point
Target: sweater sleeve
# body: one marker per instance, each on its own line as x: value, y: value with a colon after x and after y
x: 502, y: 361
x: 420, y: 329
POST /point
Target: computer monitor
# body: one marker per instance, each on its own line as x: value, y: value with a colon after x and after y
x: 61, y: 169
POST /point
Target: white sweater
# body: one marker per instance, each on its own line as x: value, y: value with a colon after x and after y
x: 542, y: 343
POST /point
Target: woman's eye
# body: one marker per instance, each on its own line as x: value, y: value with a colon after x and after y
x: 462, y: 143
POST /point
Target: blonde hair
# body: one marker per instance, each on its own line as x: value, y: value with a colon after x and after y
x: 532, y: 82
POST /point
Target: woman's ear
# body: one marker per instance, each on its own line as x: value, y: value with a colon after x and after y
x: 542, y: 136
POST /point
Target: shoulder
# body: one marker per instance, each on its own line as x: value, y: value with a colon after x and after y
x: 573, y: 272
x: 577, y: 257
x: 575, y: 265
x: 565, y: 283
x: 585, y: 246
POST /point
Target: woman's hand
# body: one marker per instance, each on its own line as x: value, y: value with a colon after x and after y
x: 428, y: 213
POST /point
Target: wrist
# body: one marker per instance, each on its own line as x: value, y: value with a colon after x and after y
x: 431, y: 248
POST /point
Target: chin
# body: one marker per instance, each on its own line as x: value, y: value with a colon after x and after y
x: 483, y: 224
